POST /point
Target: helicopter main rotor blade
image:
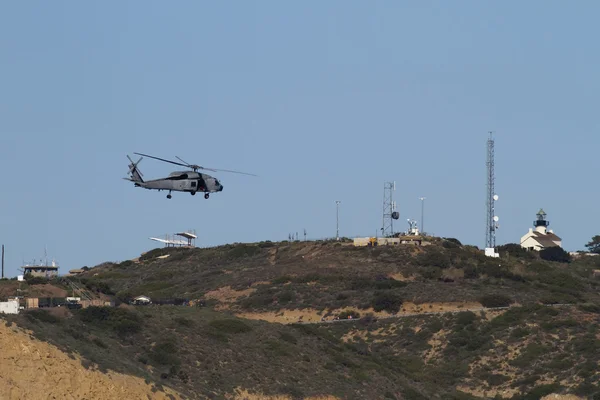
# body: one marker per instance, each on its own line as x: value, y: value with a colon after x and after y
x: 194, y: 166
x: 183, y: 161
x: 162, y: 159
x: 228, y: 170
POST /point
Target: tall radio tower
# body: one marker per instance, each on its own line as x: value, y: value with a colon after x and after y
x: 389, y: 209
x: 491, y: 219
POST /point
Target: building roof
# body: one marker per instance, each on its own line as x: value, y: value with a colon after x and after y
x: 552, y: 236
x: 174, y: 242
x: 187, y: 235
x: 547, y: 240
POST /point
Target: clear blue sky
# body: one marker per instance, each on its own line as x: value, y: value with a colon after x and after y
x: 323, y: 100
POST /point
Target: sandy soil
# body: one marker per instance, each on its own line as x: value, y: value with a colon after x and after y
x: 31, y: 369
x: 226, y: 295
x: 400, y: 277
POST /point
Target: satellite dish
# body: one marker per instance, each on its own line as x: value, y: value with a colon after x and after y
x: 495, y: 197
x: 496, y: 218
x: 395, y: 215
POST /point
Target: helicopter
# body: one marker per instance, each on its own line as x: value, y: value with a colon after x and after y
x: 179, y: 181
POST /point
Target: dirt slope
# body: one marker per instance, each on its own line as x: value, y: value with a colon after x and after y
x: 31, y: 369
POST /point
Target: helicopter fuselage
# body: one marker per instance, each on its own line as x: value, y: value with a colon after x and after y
x: 184, y: 182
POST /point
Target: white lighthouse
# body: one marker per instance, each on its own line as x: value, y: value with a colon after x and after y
x: 540, y: 237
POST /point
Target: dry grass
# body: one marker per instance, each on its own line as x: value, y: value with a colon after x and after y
x: 400, y: 277
x: 438, y: 343
x: 228, y: 295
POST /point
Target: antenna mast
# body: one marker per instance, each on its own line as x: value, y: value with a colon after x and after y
x: 2, y: 261
x: 389, y: 209
x: 337, y: 219
x: 491, y: 219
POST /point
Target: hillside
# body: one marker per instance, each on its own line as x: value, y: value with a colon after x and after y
x: 328, y: 276
x: 59, y: 376
x: 546, y: 342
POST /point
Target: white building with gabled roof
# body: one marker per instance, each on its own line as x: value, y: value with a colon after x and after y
x: 540, y: 237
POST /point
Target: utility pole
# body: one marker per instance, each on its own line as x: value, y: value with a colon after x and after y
x: 337, y: 219
x: 2, y: 261
x: 422, y: 213
x: 305, y: 234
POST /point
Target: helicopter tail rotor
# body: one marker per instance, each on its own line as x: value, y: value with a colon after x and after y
x: 136, y: 174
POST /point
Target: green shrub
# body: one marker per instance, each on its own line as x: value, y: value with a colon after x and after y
x: 259, y: 299
x: 281, y: 280
x: 349, y: 313
x: 122, y: 321
x: 286, y: 296
x: 288, y: 337
x: 41, y: 315
x: 431, y: 273
x: 389, y: 302
x: 31, y: 280
x: 389, y: 283
x: 182, y: 321
x: 471, y: 272
x: 99, y: 343
x: 519, y: 332
x: 434, y: 258
x: 165, y: 353
x: 465, y: 318
x: 589, y: 307
x: 556, y: 254
x: 244, y: 250
x: 495, y: 300
x: 126, y: 263
x: 451, y: 243
x: 230, y: 326
x: 515, y: 250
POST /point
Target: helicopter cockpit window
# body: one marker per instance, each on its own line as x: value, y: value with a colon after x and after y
x: 193, y: 183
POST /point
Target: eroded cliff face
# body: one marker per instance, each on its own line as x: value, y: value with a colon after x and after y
x: 32, y: 369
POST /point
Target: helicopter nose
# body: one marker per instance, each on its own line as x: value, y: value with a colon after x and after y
x: 220, y: 188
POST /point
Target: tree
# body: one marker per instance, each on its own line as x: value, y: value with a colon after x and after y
x: 555, y: 253
x: 594, y: 245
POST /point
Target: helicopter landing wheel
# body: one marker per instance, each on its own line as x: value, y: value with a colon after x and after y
x: 169, y: 195
x: 206, y: 195
x: 193, y: 193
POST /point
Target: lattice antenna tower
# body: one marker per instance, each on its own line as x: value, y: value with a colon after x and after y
x: 492, y: 197
x: 389, y: 209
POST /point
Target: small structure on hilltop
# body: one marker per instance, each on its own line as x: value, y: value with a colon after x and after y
x: 539, y: 237
x: 77, y: 271
x: 413, y: 230
x: 10, y: 307
x: 41, y: 270
x: 141, y: 300
x: 171, y: 241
